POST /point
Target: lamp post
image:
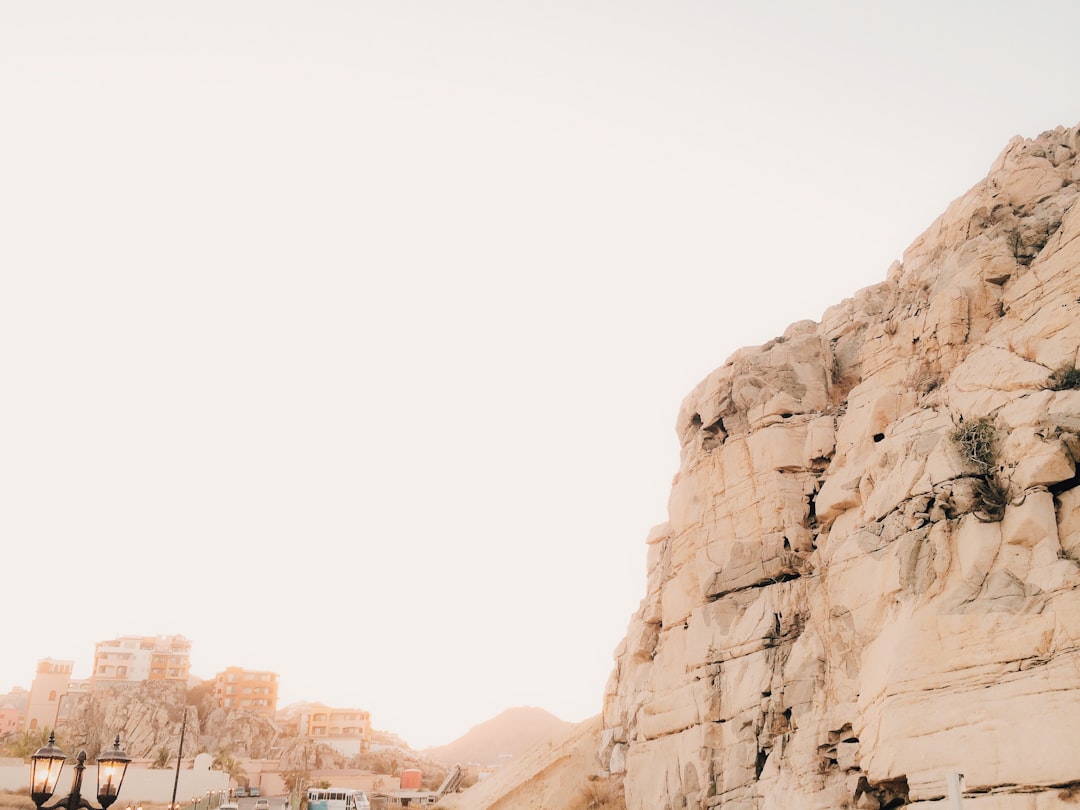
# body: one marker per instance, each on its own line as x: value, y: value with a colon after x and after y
x: 45, y: 767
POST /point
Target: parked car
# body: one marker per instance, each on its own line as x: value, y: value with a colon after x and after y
x: 240, y: 792
x: 254, y: 791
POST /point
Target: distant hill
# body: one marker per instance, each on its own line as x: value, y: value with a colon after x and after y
x: 508, y: 735
x: 562, y: 774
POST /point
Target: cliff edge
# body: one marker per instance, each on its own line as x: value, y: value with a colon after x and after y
x: 870, y: 575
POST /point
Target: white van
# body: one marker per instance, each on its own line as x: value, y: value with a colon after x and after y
x: 337, y: 799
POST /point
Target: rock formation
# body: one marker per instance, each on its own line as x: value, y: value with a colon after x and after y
x: 870, y: 575
x: 149, y: 716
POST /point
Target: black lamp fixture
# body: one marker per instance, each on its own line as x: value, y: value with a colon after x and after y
x: 47, y: 762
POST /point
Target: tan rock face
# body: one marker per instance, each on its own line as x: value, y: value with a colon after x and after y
x: 870, y: 575
x: 150, y: 715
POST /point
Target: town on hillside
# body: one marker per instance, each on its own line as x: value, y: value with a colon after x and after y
x: 225, y: 737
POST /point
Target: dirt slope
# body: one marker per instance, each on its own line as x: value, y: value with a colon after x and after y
x: 550, y: 776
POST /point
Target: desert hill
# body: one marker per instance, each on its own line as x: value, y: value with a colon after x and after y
x: 562, y: 772
x: 501, y: 738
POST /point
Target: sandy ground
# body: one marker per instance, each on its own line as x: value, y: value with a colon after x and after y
x: 549, y: 776
x: 15, y: 801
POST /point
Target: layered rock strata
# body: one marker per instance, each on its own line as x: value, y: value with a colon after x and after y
x: 870, y: 575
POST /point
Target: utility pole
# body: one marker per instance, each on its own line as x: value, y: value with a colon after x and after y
x: 179, y: 754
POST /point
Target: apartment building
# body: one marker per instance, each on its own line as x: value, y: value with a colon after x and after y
x: 9, y: 719
x: 132, y: 659
x: 251, y: 690
x: 347, y: 731
x: 50, y: 684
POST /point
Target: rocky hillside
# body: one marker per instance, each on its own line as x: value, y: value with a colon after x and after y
x: 150, y: 715
x: 869, y: 577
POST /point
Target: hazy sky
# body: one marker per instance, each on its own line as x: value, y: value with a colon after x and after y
x: 347, y: 338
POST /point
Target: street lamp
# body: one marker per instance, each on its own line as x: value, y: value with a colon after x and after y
x: 47, y: 762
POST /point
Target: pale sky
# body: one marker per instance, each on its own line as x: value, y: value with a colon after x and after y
x: 347, y: 338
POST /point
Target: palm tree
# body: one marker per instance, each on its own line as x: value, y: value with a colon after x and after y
x: 24, y: 745
x: 224, y: 760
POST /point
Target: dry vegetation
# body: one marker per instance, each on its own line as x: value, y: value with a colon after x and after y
x: 1064, y: 378
x: 600, y: 793
x: 15, y: 801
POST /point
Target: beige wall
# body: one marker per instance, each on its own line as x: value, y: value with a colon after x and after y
x: 145, y: 784
x: 360, y: 780
x: 140, y: 784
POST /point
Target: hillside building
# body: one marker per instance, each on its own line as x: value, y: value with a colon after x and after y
x: 13, y: 702
x: 51, y: 681
x: 251, y: 690
x: 347, y: 731
x: 9, y: 719
x: 132, y: 659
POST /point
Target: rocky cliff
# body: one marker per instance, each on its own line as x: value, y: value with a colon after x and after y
x: 149, y: 717
x: 870, y: 575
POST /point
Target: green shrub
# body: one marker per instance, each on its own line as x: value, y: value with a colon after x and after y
x: 993, y: 497
x: 1064, y: 378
